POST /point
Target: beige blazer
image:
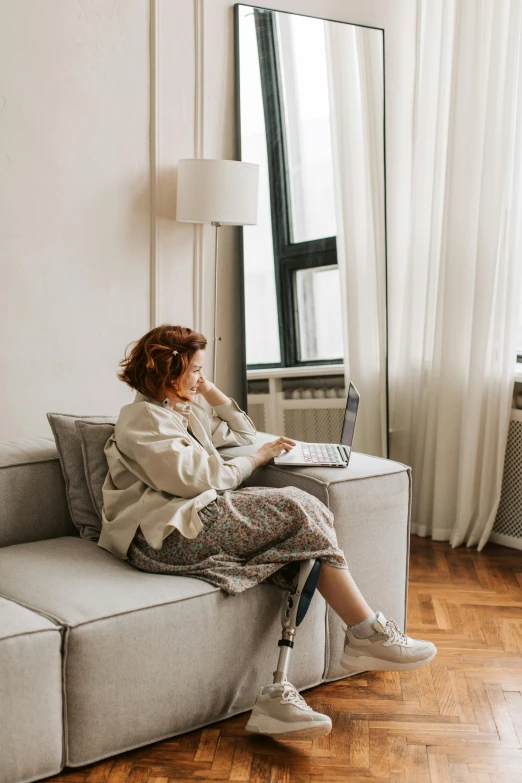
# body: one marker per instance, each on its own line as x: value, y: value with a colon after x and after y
x: 160, y: 476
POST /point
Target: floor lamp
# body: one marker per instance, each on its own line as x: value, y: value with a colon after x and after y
x: 220, y: 192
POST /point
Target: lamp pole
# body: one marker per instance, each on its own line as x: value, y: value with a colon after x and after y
x: 216, y: 338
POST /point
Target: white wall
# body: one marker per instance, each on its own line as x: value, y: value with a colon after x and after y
x: 82, y: 274
x: 74, y: 213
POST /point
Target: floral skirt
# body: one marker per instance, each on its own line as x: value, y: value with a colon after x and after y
x: 249, y: 535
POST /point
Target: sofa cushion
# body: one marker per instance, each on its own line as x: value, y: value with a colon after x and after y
x: 32, y: 492
x: 69, y: 447
x: 31, y: 724
x: 149, y: 656
x: 93, y: 437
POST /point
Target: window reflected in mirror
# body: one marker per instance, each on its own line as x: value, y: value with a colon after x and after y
x: 310, y: 113
x: 307, y: 126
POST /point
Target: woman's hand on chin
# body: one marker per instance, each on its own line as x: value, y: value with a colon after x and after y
x: 204, y: 387
x: 211, y: 393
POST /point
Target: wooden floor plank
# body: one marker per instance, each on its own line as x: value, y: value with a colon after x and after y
x: 224, y: 756
x: 359, y: 744
x: 459, y: 773
x: 514, y: 705
x: 442, y: 615
x: 207, y: 745
x: 101, y: 772
x: 242, y: 761
x: 410, y: 686
x: 501, y: 716
x: 138, y: 775
x: 505, y: 777
x: 392, y: 684
x: 439, y: 769
x: 428, y: 697
x: 481, y: 705
x: 465, y: 708
x: 417, y: 767
x: 260, y: 772
x: 379, y: 762
x: 120, y: 771
x: 443, y: 688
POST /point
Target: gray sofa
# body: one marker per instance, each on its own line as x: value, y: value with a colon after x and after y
x: 97, y: 657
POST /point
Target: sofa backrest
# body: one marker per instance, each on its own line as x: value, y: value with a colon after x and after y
x: 33, y: 503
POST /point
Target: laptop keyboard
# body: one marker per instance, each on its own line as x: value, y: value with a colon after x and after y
x: 321, y: 452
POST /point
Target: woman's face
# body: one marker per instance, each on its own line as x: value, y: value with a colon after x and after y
x: 194, y: 377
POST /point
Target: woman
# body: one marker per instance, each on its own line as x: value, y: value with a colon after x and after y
x: 172, y: 505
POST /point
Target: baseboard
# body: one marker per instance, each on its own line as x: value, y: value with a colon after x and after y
x: 510, y: 541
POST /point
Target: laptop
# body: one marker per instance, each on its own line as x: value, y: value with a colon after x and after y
x: 331, y: 455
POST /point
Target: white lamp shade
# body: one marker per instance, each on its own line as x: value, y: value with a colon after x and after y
x: 217, y: 191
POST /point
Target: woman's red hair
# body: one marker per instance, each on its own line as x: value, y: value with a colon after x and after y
x: 152, y: 369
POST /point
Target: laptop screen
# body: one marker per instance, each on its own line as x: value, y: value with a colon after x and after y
x: 350, y: 415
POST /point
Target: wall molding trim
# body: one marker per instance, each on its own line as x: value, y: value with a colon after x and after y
x: 199, y: 151
x: 153, y: 168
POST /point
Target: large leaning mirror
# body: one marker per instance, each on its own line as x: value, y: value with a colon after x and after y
x: 310, y: 112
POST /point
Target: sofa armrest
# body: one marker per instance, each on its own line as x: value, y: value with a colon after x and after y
x: 32, y: 492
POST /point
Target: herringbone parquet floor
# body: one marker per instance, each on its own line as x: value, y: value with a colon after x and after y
x: 458, y: 720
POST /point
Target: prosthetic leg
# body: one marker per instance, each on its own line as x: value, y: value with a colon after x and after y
x: 295, y: 606
x: 280, y: 711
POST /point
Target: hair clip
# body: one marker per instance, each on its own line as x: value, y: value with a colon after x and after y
x: 174, y: 353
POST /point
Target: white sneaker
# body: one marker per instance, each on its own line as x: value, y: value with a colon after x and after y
x: 388, y: 649
x: 281, y: 712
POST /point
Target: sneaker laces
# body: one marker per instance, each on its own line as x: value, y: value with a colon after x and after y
x: 394, y: 633
x: 291, y: 695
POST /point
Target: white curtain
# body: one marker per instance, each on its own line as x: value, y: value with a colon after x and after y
x: 453, y: 332
x: 355, y: 85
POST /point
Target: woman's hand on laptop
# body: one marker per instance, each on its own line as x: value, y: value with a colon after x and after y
x: 272, y: 449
